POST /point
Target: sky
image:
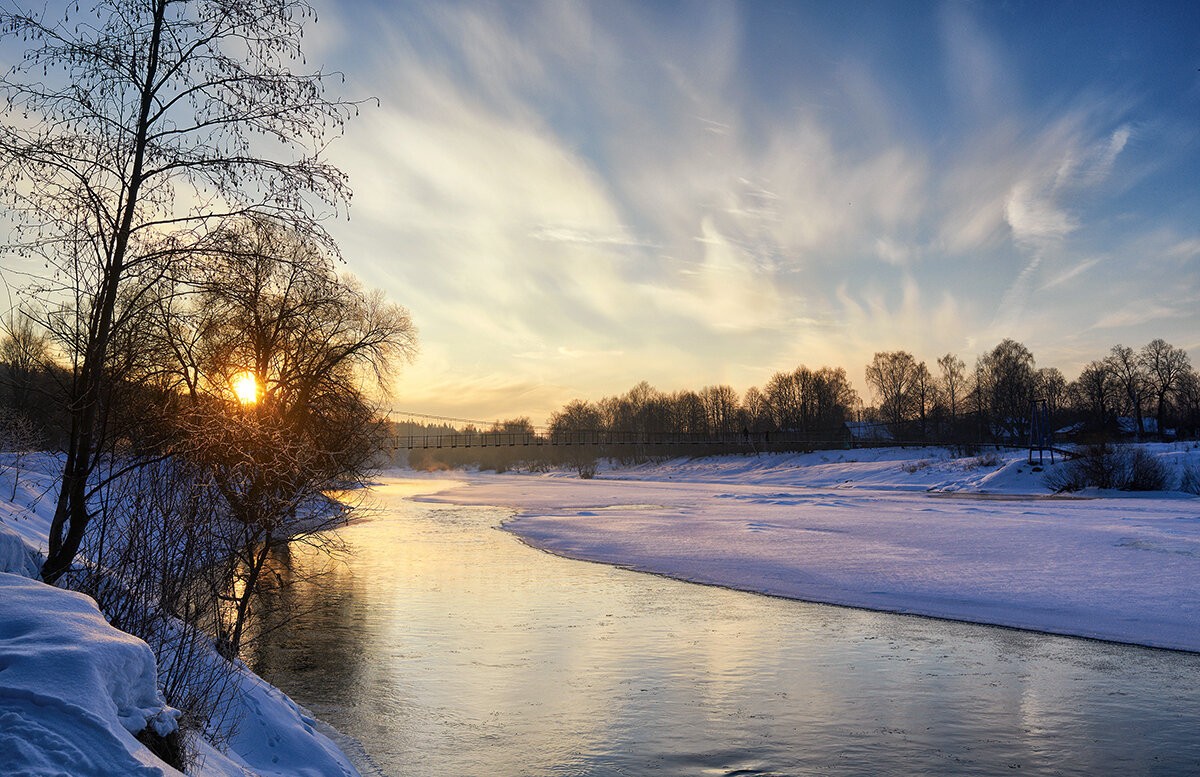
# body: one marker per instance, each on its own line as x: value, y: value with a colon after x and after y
x: 574, y: 197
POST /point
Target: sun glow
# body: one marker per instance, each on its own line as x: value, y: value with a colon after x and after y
x: 245, y: 388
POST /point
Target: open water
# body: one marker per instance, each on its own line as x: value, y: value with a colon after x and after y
x: 447, y: 647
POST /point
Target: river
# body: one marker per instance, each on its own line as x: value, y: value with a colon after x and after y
x: 445, y: 646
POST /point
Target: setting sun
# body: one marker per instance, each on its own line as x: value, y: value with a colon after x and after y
x: 245, y: 388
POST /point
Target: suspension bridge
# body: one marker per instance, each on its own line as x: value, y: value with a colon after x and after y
x: 545, y: 437
x: 592, y: 438
x: 542, y: 437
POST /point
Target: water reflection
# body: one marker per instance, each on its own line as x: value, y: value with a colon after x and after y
x: 447, y: 647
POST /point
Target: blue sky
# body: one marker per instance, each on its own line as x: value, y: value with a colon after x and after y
x: 574, y: 197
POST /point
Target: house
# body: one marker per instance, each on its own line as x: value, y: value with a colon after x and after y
x: 1128, y: 426
x: 1075, y: 429
x: 860, y: 432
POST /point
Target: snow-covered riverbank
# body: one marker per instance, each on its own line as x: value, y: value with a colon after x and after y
x: 74, y: 690
x: 916, y: 531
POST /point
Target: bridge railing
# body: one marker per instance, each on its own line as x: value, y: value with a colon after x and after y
x: 603, y: 438
x: 757, y: 441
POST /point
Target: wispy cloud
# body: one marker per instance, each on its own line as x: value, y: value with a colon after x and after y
x: 601, y: 186
x: 562, y: 233
x: 1136, y: 315
x: 1071, y: 274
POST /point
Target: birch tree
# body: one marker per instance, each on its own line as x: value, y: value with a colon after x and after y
x: 134, y: 130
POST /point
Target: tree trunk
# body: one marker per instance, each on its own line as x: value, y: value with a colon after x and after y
x: 1162, y: 414
x: 71, y: 509
x: 248, y: 591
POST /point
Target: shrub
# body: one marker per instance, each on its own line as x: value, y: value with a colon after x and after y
x: 1066, y: 478
x: 154, y: 559
x: 1189, y: 480
x: 990, y: 459
x: 1106, y: 466
x: 1102, y: 466
x: 1144, y: 472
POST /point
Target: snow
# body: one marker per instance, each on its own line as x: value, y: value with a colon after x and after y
x: 277, y: 738
x: 74, y: 690
x: 15, y: 556
x: 913, y: 531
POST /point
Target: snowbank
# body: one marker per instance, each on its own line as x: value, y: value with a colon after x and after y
x: 917, y: 531
x: 277, y: 738
x: 73, y: 688
x: 15, y: 556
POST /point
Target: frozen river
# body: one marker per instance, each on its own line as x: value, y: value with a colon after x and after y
x: 446, y: 647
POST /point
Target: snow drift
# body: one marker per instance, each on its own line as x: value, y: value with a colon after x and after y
x: 74, y: 690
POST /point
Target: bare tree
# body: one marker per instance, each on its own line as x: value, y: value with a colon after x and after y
x: 1008, y: 384
x: 273, y: 308
x: 953, y: 376
x: 18, y: 438
x: 1093, y: 392
x: 809, y: 402
x: 1188, y: 393
x: 641, y: 410
x: 268, y: 305
x: 1165, y: 366
x: 577, y: 425
x: 782, y: 396
x: 1052, y: 386
x: 24, y: 349
x: 132, y: 134
x: 720, y: 409
x: 688, y: 414
x: 924, y: 395
x: 836, y: 398
x: 576, y: 418
x: 892, y: 375
x: 1130, y: 375
x: 517, y: 426
x: 755, y: 411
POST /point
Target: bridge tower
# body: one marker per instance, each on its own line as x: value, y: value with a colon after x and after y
x: 1041, y: 438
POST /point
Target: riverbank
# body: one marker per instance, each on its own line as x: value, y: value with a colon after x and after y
x: 74, y: 690
x: 979, y: 539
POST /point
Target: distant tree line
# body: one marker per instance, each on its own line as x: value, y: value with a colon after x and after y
x: 991, y: 402
x: 1150, y: 393
x: 806, y: 402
